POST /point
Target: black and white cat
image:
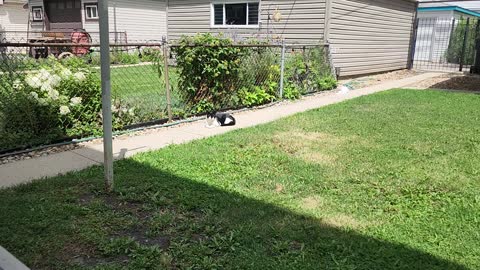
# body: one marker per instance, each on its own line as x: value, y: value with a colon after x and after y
x: 220, y: 119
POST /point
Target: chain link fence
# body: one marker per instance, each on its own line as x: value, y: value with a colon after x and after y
x: 445, y: 44
x: 50, y: 92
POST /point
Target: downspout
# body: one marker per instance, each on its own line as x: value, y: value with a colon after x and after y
x: 413, y: 38
x: 167, y: 3
x: 326, y: 35
x: 328, y: 16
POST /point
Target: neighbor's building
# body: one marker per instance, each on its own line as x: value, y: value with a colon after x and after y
x: 139, y: 20
x: 435, y: 27
x: 366, y: 36
x: 13, y: 19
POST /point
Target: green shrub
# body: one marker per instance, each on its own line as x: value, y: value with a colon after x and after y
x: 116, y: 58
x: 150, y: 54
x: 125, y: 58
x: 59, y: 100
x: 256, y: 97
x: 455, y: 46
x: 207, y: 74
x: 306, y: 70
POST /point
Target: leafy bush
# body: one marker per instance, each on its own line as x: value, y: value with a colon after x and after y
x: 59, y: 100
x: 306, y: 70
x: 207, y: 74
x: 150, y: 54
x: 256, y: 97
x: 455, y: 46
x: 259, y: 77
x: 125, y: 58
x: 116, y: 58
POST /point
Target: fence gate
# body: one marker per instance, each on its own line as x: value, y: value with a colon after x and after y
x: 445, y: 44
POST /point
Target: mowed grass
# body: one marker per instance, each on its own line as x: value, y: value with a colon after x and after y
x: 387, y: 181
x: 140, y: 87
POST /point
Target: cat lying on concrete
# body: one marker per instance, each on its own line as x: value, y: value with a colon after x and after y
x: 217, y: 119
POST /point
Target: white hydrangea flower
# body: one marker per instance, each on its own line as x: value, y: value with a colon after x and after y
x: 66, y: 73
x: 80, y: 76
x: 131, y: 111
x: 54, y: 80
x: 75, y: 101
x: 34, y: 95
x: 44, y: 74
x: 46, y: 87
x: 53, y: 94
x: 33, y: 81
x: 64, y: 110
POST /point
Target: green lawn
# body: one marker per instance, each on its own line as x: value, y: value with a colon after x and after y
x: 387, y: 181
x: 140, y: 87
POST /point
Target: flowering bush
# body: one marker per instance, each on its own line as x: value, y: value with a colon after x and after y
x: 50, y: 103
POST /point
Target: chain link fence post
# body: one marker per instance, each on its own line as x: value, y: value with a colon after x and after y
x: 464, y: 46
x: 167, y: 80
x: 282, y: 69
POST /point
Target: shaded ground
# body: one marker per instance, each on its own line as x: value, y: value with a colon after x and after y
x: 387, y: 181
x: 452, y: 82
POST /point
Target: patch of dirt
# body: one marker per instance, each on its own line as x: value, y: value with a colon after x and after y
x: 279, y: 188
x: 85, y: 255
x: 139, y: 234
x: 371, y: 80
x: 451, y: 82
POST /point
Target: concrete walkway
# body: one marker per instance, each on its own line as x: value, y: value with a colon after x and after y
x: 9, y: 262
x: 26, y: 170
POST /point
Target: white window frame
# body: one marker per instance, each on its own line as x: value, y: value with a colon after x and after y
x: 86, y: 7
x: 40, y: 9
x: 227, y: 26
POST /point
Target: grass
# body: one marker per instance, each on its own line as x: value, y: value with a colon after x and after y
x: 139, y: 86
x: 387, y: 181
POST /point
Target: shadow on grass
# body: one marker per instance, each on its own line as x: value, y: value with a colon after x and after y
x: 68, y: 221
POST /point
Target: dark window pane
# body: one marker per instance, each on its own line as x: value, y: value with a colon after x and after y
x: 252, y: 13
x: 218, y: 12
x: 236, y: 14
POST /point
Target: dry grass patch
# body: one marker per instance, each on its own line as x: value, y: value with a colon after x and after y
x: 311, y: 147
x: 343, y: 221
x: 311, y: 203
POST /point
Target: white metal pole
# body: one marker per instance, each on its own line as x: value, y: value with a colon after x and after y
x: 106, y: 95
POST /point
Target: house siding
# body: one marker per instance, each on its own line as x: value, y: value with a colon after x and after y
x: 142, y: 20
x: 302, y: 20
x: 13, y: 18
x: 369, y: 36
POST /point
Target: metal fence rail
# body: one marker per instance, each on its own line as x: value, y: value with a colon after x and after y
x: 444, y: 44
x: 46, y: 100
x: 29, y: 36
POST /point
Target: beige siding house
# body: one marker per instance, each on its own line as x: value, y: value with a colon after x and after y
x: 133, y: 21
x: 13, y: 19
x: 369, y: 36
x: 366, y: 36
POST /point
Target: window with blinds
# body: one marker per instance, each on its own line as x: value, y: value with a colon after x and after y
x: 235, y: 14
